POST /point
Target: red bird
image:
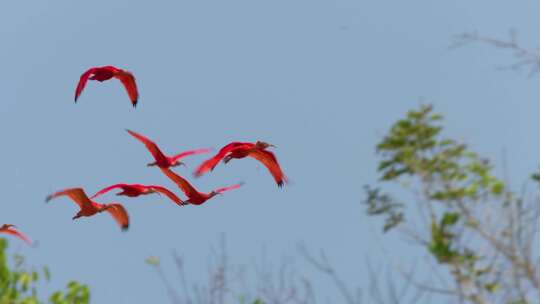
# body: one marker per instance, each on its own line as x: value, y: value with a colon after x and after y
x: 8, y: 229
x: 105, y: 73
x: 162, y: 160
x: 195, y: 197
x: 240, y: 150
x: 89, y: 207
x: 134, y: 190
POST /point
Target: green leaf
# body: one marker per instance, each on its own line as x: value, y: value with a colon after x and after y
x: 497, y: 188
x: 492, y: 287
x: 449, y: 218
x: 382, y: 204
x: 152, y: 261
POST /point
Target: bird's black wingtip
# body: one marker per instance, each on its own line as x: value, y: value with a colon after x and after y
x: 48, y: 198
x: 125, y: 228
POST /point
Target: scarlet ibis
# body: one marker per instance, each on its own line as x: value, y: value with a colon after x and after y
x: 89, y: 207
x: 134, y: 190
x: 194, y: 197
x: 105, y: 73
x: 10, y: 229
x: 243, y: 149
x: 162, y: 160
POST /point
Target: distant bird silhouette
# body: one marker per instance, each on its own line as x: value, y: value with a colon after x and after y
x: 105, y: 73
x: 10, y: 229
x: 162, y: 160
x: 195, y: 197
x: 90, y: 208
x: 244, y: 149
x: 134, y: 190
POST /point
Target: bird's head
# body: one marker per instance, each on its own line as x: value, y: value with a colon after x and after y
x: 263, y: 145
x: 7, y: 226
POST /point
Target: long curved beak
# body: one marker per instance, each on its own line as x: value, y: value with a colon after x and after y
x: 179, y: 163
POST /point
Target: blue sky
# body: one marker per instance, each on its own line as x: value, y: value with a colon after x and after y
x: 322, y: 80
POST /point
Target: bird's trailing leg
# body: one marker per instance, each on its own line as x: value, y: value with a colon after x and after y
x: 152, y: 164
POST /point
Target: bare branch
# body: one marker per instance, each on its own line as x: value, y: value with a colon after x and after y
x: 525, y: 57
x: 323, y: 265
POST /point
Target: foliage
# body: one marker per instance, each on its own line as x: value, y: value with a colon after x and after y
x: 383, y: 204
x: 474, y: 228
x: 19, y: 286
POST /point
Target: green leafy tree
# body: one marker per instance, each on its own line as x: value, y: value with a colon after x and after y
x: 19, y: 285
x: 479, y: 233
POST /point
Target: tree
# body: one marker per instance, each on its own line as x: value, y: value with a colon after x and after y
x: 479, y: 234
x: 525, y: 57
x: 19, y: 285
x: 228, y: 283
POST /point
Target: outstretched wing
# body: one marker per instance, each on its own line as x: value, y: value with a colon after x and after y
x: 128, y: 80
x: 221, y: 190
x: 82, y: 82
x: 75, y: 194
x: 210, y: 164
x: 107, y: 189
x: 190, y: 152
x: 16, y: 233
x: 268, y: 159
x: 151, y: 146
x: 167, y: 193
x: 120, y: 215
x: 181, y: 182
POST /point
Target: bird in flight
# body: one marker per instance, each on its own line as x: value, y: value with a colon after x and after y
x: 195, y: 197
x: 134, y: 190
x: 105, y: 73
x: 90, y: 208
x: 10, y: 229
x: 162, y: 160
x: 244, y: 149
